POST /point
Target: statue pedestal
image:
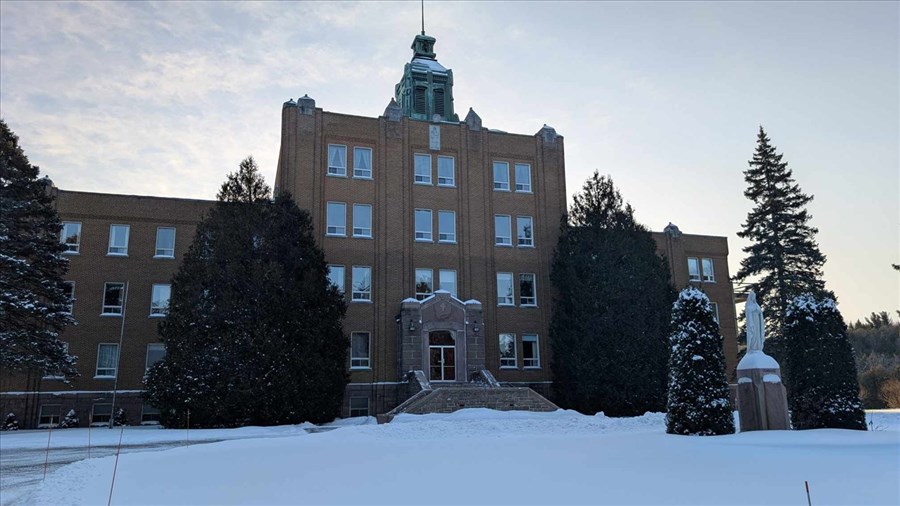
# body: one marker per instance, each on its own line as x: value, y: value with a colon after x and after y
x: 761, y: 398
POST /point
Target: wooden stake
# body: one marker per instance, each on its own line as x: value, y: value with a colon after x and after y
x: 808, y: 499
x: 90, y: 422
x: 47, y: 454
x: 188, y: 428
x: 115, y: 467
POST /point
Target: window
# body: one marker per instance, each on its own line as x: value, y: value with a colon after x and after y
x: 419, y: 99
x: 693, y: 269
x: 524, y: 231
x: 336, y: 276
x: 362, y: 163
x: 502, y: 230
x: 336, y: 219
x: 505, y: 289
x: 531, y: 356
x: 709, y: 275
x: 447, y: 281
x: 507, y: 351
x: 155, y: 353
x: 101, y: 414
x: 501, y: 176
x: 337, y: 160
x: 446, y: 171
x: 362, y: 284
x: 69, y: 291
x: 107, y: 360
x: 70, y: 235
x: 165, y: 242
x: 423, y: 225
x: 527, y: 291
x: 159, y: 300
x: 439, y: 101
x: 149, y: 415
x: 715, y: 312
x: 49, y: 415
x: 113, y: 298
x: 523, y: 177
x: 359, y: 350
x: 362, y: 220
x: 118, y: 240
x: 422, y: 167
x: 424, y: 283
x: 446, y: 226
x: 359, y: 406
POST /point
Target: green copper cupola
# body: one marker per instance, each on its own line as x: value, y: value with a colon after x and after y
x: 426, y: 89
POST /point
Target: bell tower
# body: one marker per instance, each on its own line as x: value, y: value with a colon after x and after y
x: 426, y: 89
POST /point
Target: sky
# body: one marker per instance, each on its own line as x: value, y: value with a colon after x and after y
x: 666, y: 97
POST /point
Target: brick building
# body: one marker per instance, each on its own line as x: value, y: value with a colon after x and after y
x: 440, y: 232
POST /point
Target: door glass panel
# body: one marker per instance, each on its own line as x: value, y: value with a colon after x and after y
x: 449, y: 364
x: 435, y: 362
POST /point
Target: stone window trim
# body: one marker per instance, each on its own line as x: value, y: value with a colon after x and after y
x: 531, y: 354
x: 361, y: 360
x: 164, y: 251
x: 503, y: 230
x: 113, y: 306
x: 507, y: 350
x: 420, y: 176
x: 359, y: 159
x: 423, y: 234
x: 337, y: 165
x: 362, y: 232
x: 107, y: 363
x: 70, y: 230
x: 118, y: 246
x: 335, y: 229
x: 501, y: 176
x: 361, y: 293
x: 523, y: 184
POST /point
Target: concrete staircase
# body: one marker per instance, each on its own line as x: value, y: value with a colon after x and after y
x: 482, y: 391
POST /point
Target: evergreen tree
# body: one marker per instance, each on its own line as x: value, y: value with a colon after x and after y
x: 253, y: 334
x: 784, y: 258
x: 70, y: 420
x: 699, y: 402
x: 11, y: 423
x: 611, y: 309
x: 33, y: 300
x: 821, y: 378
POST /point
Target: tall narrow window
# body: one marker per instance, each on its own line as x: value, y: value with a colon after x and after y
x: 715, y: 312
x: 523, y: 177
x: 424, y: 283
x: 69, y: 291
x: 693, y: 269
x: 531, y: 355
x: 446, y: 226
x: 527, y: 291
x: 155, y: 353
x: 447, y: 281
x: 362, y: 163
x: 337, y: 160
x: 507, y: 351
x: 70, y: 235
x: 362, y: 220
x: 118, y: 240
x: 505, y: 289
x: 439, y: 101
x: 422, y: 168
x: 107, y: 360
x: 359, y: 350
x: 419, y: 102
x: 423, y: 225
x: 336, y: 219
x: 336, y: 276
x: 165, y: 242
x: 113, y: 298
x: 446, y: 171
x: 362, y: 284
x: 708, y: 274
x: 501, y: 176
x: 502, y: 230
x: 159, y: 302
x: 524, y: 231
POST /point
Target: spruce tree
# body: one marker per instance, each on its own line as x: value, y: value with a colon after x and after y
x: 611, y: 309
x: 784, y: 259
x: 699, y: 402
x: 33, y: 300
x: 253, y: 334
x: 821, y: 376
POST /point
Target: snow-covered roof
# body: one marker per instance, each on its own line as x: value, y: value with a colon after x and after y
x: 409, y: 299
x: 431, y: 65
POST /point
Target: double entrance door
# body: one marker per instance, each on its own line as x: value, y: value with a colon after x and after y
x: 442, y: 356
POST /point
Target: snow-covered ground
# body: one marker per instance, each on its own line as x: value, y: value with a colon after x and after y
x: 477, y: 456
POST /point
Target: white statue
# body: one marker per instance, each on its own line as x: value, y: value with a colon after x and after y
x: 756, y: 326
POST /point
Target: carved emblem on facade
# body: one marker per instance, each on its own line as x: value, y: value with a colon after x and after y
x: 442, y: 310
